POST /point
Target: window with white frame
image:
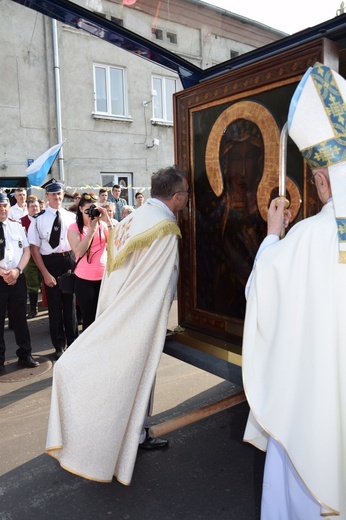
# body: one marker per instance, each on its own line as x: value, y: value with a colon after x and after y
x: 164, y: 89
x: 124, y: 179
x: 110, y: 91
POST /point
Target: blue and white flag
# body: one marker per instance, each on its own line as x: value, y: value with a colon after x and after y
x: 38, y: 170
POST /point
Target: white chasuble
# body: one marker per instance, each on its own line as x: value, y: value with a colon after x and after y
x: 102, y: 383
x: 294, y: 356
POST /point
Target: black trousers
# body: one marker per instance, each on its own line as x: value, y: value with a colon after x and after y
x: 63, y: 325
x: 87, y: 293
x: 14, y: 297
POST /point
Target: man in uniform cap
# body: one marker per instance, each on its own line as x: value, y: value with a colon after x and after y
x: 14, y: 256
x: 294, y: 347
x: 53, y: 256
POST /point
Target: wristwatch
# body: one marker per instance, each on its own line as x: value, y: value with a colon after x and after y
x: 19, y: 269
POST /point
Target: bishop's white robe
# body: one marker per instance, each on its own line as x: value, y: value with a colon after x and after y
x: 102, y: 383
x: 294, y: 356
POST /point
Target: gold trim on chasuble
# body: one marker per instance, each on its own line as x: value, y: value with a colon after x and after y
x: 121, y: 244
x: 331, y: 151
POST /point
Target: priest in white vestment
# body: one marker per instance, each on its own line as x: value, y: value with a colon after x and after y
x: 294, y: 347
x: 102, y: 383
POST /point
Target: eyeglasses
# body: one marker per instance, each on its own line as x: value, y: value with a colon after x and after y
x: 312, y: 179
x: 183, y: 191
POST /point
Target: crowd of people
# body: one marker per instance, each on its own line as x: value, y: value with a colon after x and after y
x: 75, y: 239
x: 139, y: 282
x: 39, y: 241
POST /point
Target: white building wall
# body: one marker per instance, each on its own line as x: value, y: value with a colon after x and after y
x: 25, y: 91
x: 97, y: 145
x: 93, y: 145
x: 27, y: 107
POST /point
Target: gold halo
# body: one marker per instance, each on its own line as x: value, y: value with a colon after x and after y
x: 260, y: 116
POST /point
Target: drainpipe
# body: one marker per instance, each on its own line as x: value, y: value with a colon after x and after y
x: 58, y: 98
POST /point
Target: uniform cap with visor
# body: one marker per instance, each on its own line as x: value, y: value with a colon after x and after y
x: 4, y: 198
x: 55, y: 187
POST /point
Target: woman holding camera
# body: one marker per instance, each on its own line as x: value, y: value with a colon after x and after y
x: 88, y: 239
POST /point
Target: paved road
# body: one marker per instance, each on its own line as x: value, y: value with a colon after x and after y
x: 208, y: 472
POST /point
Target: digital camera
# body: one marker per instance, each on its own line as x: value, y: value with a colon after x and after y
x: 93, y: 211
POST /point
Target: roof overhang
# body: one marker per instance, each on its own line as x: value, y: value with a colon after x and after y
x: 72, y: 14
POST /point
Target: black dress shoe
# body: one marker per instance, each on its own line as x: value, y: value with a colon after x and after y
x: 58, y: 353
x: 28, y: 362
x: 32, y: 314
x: 153, y: 444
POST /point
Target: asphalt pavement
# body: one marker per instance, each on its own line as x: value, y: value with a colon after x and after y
x: 208, y: 472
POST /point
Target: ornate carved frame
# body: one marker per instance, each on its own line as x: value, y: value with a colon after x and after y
x: 219, y: 101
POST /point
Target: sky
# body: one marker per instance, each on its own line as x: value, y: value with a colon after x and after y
x: 289, y: 16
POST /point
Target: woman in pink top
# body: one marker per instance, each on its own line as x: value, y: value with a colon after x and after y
x: 88, y: 239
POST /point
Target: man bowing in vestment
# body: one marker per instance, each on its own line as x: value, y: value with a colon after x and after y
x: 102, y: 383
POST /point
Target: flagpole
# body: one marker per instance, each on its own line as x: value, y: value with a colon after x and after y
x: 58, y: 98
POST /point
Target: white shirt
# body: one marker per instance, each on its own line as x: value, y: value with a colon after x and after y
x: 16, y: 213
x: 166, y: 209
x: 40, y: 230
x: 15, y: 241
